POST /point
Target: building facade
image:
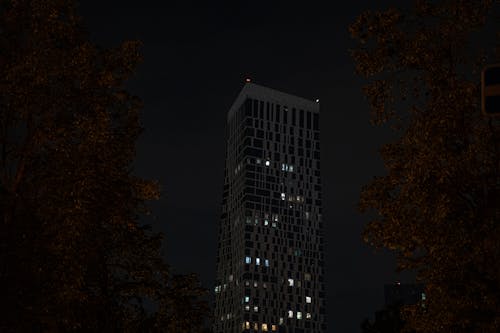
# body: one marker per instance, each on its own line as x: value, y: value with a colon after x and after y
x: 270, y: 262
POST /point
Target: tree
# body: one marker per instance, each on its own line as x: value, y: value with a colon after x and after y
x: 438, y: 206
x: 74, y: 256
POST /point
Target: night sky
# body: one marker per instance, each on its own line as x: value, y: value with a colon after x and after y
x: 196, y: 58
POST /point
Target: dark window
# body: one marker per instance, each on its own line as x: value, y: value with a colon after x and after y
x: 248, y: 107
x: 253, y: 152
x: 301, y: 119
x: 249, y: 131
x: 316, y: 121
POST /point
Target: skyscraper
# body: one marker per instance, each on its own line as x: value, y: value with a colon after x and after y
x: 270, y: 263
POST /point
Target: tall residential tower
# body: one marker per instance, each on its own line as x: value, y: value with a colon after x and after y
x: 270, y: 263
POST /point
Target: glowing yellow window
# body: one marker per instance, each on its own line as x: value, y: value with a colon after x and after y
x: 264, y: 327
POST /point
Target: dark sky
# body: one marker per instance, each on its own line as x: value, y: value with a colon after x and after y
x: 196, y: 57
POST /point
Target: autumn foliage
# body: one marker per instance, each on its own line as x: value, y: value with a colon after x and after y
x: 74, y: 256
x: 438, y: 207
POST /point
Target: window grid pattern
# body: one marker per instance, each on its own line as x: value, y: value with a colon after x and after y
x: 270, y: 262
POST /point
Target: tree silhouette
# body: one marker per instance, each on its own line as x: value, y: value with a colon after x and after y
x: 438, y: 206
x: 73, y: 255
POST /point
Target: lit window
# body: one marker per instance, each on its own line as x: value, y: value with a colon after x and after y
x: 266, y: 262
x: 268, y: 163
x: 247, y: 325
x: 257, y: 261
x: 274, y: 328
x: 282, y: 196
x: 290, y: 282
x: 273, y: 224
x: 307, y: 277
x: 281, y: 321
x: 290, y: 314
x: 256, y: 326
x: 231, y: 278
x: 308, y: 315
x: 247, y: 299
x: 255, y: 284
x: 264, y: 285
x: 276, y: 217
x: 255, y: 309
x: 290, y: 168
x: 247, y: 283
x: 307, y: 215
x: 423, y: 297
x: 266, y: 222
x: 258, y: 161
x: 283, y: 167
x: 299, y: 315
x: 248, y: 260
x: 247, y: 307
x: 308, y: 299
x: 264, y: 327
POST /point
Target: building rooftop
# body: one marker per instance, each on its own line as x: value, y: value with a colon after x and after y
x: 252, y: 90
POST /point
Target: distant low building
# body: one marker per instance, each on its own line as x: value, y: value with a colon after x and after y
x: 404, y: 294
x: 389, y: 320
